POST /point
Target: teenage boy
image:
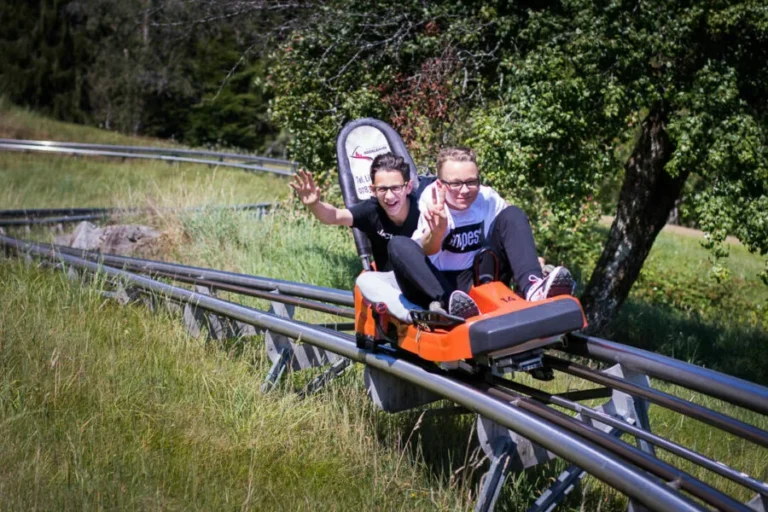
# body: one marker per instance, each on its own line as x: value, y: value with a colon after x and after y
x: 392, y: 210
x: 459, y: 217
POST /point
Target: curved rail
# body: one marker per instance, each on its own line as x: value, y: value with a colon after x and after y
x: 674, y: 403
x: 598, y: 461
x: 663, y: 443
x: 731, y: 389
x: 30, y: 217
x: 173, y: 270
x: 145, y: 156
x: 149, y: 150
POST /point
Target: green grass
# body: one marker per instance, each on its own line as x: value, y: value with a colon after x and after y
x: 21, y: 123
x: 112, y: 407
x: 46, y: 181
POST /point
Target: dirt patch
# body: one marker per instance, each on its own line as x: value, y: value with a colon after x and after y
x: 607, y: 220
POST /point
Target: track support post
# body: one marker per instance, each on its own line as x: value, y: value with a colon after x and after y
x: 287, y: 355
x: 623, y: 406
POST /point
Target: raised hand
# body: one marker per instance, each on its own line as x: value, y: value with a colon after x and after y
x: 305, y: 187
x: 436, y: 214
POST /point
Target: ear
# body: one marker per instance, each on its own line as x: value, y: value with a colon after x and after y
x: 409, y: 187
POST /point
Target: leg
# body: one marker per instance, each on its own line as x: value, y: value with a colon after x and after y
x: 418, y: 278
x: 511, y: 238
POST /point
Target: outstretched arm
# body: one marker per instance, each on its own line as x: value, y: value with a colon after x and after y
x: 309, y: 193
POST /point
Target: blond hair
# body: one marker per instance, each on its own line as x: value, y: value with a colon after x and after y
x: 457, y: 154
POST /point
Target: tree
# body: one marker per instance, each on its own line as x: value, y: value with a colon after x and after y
x: 692, y: 74
x: 549, y: 93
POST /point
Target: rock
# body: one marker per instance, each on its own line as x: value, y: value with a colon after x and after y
x: 118, y: 239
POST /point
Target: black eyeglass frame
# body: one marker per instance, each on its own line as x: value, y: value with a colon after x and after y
x: 395, y: 189
x: 456, y: 185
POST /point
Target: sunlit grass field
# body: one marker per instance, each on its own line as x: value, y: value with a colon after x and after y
x: 104, y: 406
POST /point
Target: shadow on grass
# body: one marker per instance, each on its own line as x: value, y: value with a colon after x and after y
x: 736, y: 350
x: 450, y: 450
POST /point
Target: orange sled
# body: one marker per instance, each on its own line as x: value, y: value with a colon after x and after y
x: 508, y: 335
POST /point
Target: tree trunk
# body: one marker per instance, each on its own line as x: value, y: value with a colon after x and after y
x: 647, y: 196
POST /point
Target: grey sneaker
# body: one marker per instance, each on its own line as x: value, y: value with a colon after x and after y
x: 462, y: 305
x: 558, y: 282
x: 436, y: 307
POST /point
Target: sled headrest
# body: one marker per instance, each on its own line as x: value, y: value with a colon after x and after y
x: 359, y: 142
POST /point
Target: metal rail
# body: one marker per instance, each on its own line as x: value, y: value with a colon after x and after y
x: 731, y: 389
x: 14, y: 218
x: 143, y: 266
x: 144, y: 156
x: 150, y: 150
x: 703, y: 461
x: 698, y: 412
x: 670, y: 446
x: 598, y: 461
x: 643, y: 460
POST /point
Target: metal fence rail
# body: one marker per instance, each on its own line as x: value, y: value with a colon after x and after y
x: 31, y: 217
x: 151, y: 150
x: 285, y: 168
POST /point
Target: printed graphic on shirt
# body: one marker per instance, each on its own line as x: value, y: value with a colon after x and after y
x: 465, y: 238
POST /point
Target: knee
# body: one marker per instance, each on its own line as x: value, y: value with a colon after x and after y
x: 512, y: 215
x: 400, y: 245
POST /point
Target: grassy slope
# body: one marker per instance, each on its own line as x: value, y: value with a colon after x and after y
x: 65, y: 320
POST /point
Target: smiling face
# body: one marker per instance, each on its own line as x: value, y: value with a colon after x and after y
x: 395, y: 204
x: 452, y: 173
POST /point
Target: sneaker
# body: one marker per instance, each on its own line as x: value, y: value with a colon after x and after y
x: 558, y: 282
x: 436, y: 307
x: 462, y: 305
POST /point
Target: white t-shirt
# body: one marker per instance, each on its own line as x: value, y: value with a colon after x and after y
x: 467, y: 229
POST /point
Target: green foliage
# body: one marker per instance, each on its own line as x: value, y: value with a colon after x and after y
x: 187, y: 71
x: 420, y: 67
x: 44, y: 62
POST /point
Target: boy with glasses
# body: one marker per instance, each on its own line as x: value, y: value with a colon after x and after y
x: 392, y: 210
x: 459, y: 217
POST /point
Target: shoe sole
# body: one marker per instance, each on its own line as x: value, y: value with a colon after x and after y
x: 562, y: 284
x: 462, y: 305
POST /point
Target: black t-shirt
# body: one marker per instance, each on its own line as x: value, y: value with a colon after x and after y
x: 371, y: 219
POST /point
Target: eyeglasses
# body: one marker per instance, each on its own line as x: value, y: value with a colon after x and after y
x: 382, y: 191
x: 456, y: 185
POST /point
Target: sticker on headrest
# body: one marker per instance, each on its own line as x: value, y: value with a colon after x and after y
x: 363, y: 144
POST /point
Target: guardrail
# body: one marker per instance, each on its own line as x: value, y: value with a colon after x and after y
x: 251, y: 163
x: 45, y: 216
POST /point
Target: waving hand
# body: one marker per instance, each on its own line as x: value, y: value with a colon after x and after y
x: 305, y: 187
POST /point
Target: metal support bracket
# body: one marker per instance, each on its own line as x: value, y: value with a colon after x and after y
x: 621, y: 405
x: 295, y: 356
x: 391, y: 394
x: 509, y: 451
x: 319, y: 382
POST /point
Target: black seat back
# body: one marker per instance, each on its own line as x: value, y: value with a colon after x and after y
x: 359, y: 142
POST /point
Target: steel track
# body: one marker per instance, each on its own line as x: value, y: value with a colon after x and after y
x: 506, y: 391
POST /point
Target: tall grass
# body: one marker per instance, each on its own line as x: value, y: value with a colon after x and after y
x: 113, y: 407
x: 110, y: 407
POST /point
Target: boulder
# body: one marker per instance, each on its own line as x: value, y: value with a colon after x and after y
x: 124, y: 239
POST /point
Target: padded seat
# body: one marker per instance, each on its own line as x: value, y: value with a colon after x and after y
x: 382, y: 287
x: 505, y: 332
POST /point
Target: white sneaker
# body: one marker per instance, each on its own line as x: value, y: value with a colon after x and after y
x: 558, y: 282
x: 462, y: 305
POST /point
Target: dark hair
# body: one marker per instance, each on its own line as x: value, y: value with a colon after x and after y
x: 390, y: 162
